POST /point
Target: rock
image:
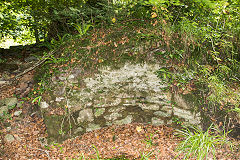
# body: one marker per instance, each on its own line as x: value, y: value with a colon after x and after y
x: 163, y: 103
x: 78, y: 130
x: 89, y: 104
x: 3, y: 109
x: 129, y: 102
x: 4, y: 82
x: 2, y: 102
x: 116, y: 102
x: 153, y: 107
x: 17, y: 113
x: 59, y: 90
x: 187, y: 115
x: 157, y: 121
x: 71, y: 77
x: 152, y: 99
x: 85, y: 115
x: 19, y: 104
x: 169, y: 122
x: 43, y: 141
x: 125, y: 95
x: 17, y: 137
x: 9, y: 138
x: 62, y: 78
x: 99, y: 111
x: 44, y: 105
x: 112, y: 116
x: 195, y: 122
x: 167, y: 108
x: 117, y: 109
x: 108, y: 123
x: 126, y: 120
x: 30, y: 59
x: 11, y: 102
x: 92, y: 127
x: 59, y: 99
x: 9, y: 128
x: 161, y: 114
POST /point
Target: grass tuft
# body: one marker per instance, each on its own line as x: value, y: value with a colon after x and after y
x: 199, y: 144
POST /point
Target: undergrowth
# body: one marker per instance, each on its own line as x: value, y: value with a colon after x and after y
x: 201, y: 145
x: 197, y: 53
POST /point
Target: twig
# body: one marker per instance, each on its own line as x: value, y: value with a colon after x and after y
x: 11, y: 80
x: 213, y: 45
x: 133, y: 20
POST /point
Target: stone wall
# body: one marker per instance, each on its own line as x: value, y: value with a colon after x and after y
x: 131, y: 93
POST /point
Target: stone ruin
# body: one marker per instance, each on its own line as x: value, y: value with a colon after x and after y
x: 131, y: 93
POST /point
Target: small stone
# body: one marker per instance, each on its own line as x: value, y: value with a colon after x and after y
x: 78, y: 130
x: 117, y: 109
x: 71, y: 76
x: 167, y: 108
x: 8, y: 129
x: 157, y: 121
x: 99, y: 111
x: 17, y: 113
x: 116, y: 102
x: 2, y: 102
x: 11, y: 101
x: 17, y: 137
x: 125, y: 95
x: 108, y: 123
x: 89, y: 104
x: 9, y: 138
x: 149, y: 106
x: 169, y: 122
x: 162, y: 103
x: 85, y: 115
x: 92, y: 127
x: 152, y: 99
x: 161, y: 114
x: 62, y: 78
x: 185, y: 114
x: 4, y: 82
x: 129, y: 102
x: 112, y: 116
x: 126, y: 120
x: 43, y: 141
x: 59, y: 99
x: 3, y: 109
x: 44, y: 105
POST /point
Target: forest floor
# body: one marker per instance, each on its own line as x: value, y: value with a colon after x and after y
x: 132, y: 141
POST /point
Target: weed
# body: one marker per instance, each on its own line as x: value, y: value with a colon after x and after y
x: 82, y: 28
x: 82, y: 157
x: 177, y: 121
x: 145, y: 156
x: 5, y: 115
x: 97, y: 152
x: 199, y: 144
x: 37, y: 99
x: 61, y: 132
x: 149, y: 139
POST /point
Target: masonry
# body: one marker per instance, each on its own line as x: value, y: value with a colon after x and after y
x: 131, y: 93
